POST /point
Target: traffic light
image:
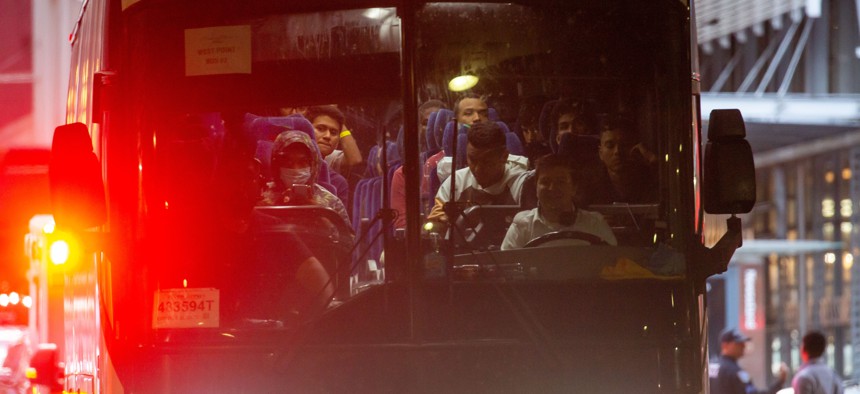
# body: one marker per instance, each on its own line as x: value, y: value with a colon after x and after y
x: 63, y: 248
x: 47, y: 243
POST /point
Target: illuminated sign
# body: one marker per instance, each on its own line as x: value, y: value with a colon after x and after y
x: 750, y: 307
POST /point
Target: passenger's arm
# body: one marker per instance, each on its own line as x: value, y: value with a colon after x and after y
x: 437, y: 213
x: 398, y: 197
x: 644, y: 154
x: 351, y: 153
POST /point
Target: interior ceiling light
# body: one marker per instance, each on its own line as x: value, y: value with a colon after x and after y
x: 462, y: 82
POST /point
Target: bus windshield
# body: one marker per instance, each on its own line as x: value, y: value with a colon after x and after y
x: 241, y: 182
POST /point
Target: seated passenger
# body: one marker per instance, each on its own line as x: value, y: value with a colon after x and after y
x: 533, y: 141
x: 295, y: 167
x: 556, y: 211
x: 490, y: 179
x: 398, y: 180
x: 627, y: 172
x: 328, y: 122
x: 245, y: 249
x: 569, y: 117
x: 468, y: 110
x: 305, y: 288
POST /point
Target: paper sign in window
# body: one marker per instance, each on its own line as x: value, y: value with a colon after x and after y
x: 218, y: 50
x: 186, y: 308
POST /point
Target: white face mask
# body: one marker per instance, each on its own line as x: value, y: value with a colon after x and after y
x: 299, y: 176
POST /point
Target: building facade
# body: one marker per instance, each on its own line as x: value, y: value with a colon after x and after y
x: 793, y: 68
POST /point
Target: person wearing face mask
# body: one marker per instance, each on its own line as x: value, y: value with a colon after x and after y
x: 556, y: 211
x: 295, y: 167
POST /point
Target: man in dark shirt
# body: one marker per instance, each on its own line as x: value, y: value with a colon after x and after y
x: 730, y: 378
x: 628, y: 170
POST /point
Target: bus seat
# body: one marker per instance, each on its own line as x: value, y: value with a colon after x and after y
x: 582, y: 149
x: 264, y: 155
x: 515, y: 146
x: 462, y: 141
x: 268, y: 127
x: 503, y: 126
x: 448, y: 137
x: 443, y: 117
x: 393, y: 153
x: 341, y: 186
x: 429, y: 140
x: 358, y: 204
x: 400, y: 146
x: 375, y: 205
x: 372, y: 161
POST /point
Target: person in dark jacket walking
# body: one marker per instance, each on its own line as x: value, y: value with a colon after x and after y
x: 730, y: 378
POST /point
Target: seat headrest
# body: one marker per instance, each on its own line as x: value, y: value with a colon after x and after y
x: 263, y: 130
x: 268, y: 127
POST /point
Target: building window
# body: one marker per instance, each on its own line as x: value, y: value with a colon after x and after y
x: 827, y: 230
x: 828, y: 207
x: 775, y: 353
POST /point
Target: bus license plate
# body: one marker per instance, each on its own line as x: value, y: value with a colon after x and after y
x: 185, y: 308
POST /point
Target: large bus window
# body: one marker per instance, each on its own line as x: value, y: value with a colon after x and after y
x: 592, y: 84
x: 208, y: 96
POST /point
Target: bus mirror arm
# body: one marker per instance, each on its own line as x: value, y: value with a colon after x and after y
x: 716, y: 259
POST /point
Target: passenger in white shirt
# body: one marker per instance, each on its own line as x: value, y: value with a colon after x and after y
x: 490, y: 179
x: 815, y: 376
x: 556, y: 187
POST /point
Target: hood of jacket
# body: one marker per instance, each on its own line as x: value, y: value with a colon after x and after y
x: 290, y: 137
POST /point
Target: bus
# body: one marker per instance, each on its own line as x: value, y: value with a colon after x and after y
x: 177, y: 280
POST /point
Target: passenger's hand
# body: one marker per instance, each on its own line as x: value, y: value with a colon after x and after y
x: 639, y: 151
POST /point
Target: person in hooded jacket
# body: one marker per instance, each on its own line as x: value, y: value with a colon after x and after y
x: 295, y: 168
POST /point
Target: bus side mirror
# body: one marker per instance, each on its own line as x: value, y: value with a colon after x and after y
x: 729, y: 184
x: 74, y: 174
x: 45, y: 369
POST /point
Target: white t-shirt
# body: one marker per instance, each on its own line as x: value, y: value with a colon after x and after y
x: 528, y: 225
x: 443, y: 167
x: 504, y: 192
